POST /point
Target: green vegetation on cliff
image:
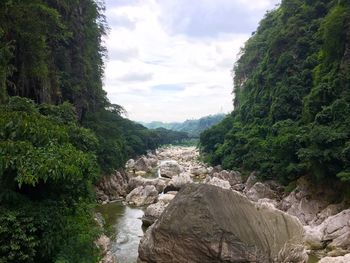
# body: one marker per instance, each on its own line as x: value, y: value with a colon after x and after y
x: 58, y: 131
x: 292, y: 99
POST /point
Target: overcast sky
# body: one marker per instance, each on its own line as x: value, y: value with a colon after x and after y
x: 171, y: 60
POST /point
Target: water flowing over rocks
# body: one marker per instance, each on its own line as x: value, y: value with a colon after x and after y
x: 205, y: 223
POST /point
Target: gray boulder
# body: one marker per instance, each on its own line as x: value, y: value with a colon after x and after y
x: 142, y: 195
x: 205, y: 223
x: 231, y: 176
x: 177, y: 182
x: 135, y: 182
x: 169, y: 169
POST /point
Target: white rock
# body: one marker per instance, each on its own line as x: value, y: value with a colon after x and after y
x: 343, y: 259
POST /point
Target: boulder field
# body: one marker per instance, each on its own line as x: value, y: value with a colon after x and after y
x: 198, y: 213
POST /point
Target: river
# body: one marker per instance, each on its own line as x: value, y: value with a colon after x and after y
x: 124, y: 227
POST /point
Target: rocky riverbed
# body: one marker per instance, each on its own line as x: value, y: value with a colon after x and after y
x: 206, y: 214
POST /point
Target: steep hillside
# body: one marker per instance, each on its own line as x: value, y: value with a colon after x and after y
x: 58, y: 131
x: 192, y: 127
x: 292, y: 99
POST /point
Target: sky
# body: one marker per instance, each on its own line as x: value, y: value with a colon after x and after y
x: 172, y: 60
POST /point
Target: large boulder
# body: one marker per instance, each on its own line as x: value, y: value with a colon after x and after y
x: 205, y: 223
x: 135, y: 182
x: 112, y: 187
x: 142, y: 195
x: 169, y: 169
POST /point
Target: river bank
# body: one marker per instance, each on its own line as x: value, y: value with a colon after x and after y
x: 151, y: 183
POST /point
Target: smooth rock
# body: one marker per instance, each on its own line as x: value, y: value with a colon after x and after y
x: 342, y: 259
x: 205, y: 223
x: 142, y: 195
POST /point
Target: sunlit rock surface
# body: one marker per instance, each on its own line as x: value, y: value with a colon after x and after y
x: 205, y: 223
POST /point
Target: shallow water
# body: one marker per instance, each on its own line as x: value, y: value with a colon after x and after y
x: 124, y: 226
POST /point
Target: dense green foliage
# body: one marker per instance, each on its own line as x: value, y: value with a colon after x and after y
x: 58, y: 141
x: 193, y: 127
x: 47, y: 167
x: 292, y: 97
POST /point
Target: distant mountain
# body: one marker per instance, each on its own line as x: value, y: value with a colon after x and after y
x: 192, y: 127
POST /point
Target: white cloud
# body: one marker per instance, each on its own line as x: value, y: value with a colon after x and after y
x: 144, y: 53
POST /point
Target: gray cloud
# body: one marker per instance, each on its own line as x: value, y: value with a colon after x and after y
x: 203, y: 18
x: 136, y: 76
x: 122, y: 54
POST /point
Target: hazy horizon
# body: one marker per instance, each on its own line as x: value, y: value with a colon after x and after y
x: 170, y: 60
